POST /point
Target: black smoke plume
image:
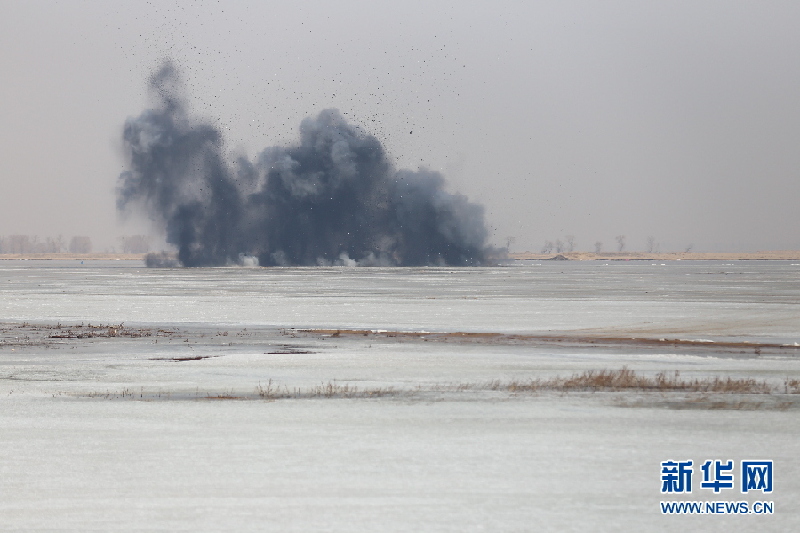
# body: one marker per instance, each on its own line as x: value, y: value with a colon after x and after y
x: 335, y: 198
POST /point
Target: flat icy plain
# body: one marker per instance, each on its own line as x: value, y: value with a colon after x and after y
x: 341, y: 399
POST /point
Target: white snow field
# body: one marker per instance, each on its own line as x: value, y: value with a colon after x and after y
x: 343, y: 399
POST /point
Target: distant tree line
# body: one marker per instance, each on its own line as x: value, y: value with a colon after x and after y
x: 567, y: 244
x: 30, y: 244
x: 79, y: 244
x: 559, y: 245
x: 135, y: 244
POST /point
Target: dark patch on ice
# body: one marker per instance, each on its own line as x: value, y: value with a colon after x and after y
x: 187, y: 358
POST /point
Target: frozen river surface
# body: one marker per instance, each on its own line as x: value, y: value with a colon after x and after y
x: 744, y: 298
x: 115, y: 432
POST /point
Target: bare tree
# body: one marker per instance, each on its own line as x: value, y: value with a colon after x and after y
x: 559, y: 245
x: 548, y: 247
x: 620, y: 242
x: 598, y: 247
x: 54, y: 246
x: 651, y: 244
x: 18, y: 244
x: 570, y: 242
x: 689, y: 248
x: 80, y: 245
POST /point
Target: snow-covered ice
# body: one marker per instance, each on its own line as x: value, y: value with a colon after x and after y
x: 75, y: 454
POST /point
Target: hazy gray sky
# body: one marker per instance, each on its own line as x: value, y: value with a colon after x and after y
x: 677, y: 120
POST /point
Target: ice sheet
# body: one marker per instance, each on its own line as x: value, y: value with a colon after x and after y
x: 748, y: 298
x: 480, y: 461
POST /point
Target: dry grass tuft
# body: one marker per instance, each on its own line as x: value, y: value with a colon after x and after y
x: 791, y: 386
x: 626, y: 379
x: 270, y: 391
x: 706, y: 393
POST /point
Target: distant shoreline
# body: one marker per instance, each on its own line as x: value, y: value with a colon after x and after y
x: 76, y: 257
x: 784, y: 255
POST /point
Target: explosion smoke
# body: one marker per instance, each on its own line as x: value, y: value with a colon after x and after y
x: 333, y: 197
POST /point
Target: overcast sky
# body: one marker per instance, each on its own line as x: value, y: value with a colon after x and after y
x: 676, y: 120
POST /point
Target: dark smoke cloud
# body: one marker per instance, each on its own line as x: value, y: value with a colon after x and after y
x: 333, y: 199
